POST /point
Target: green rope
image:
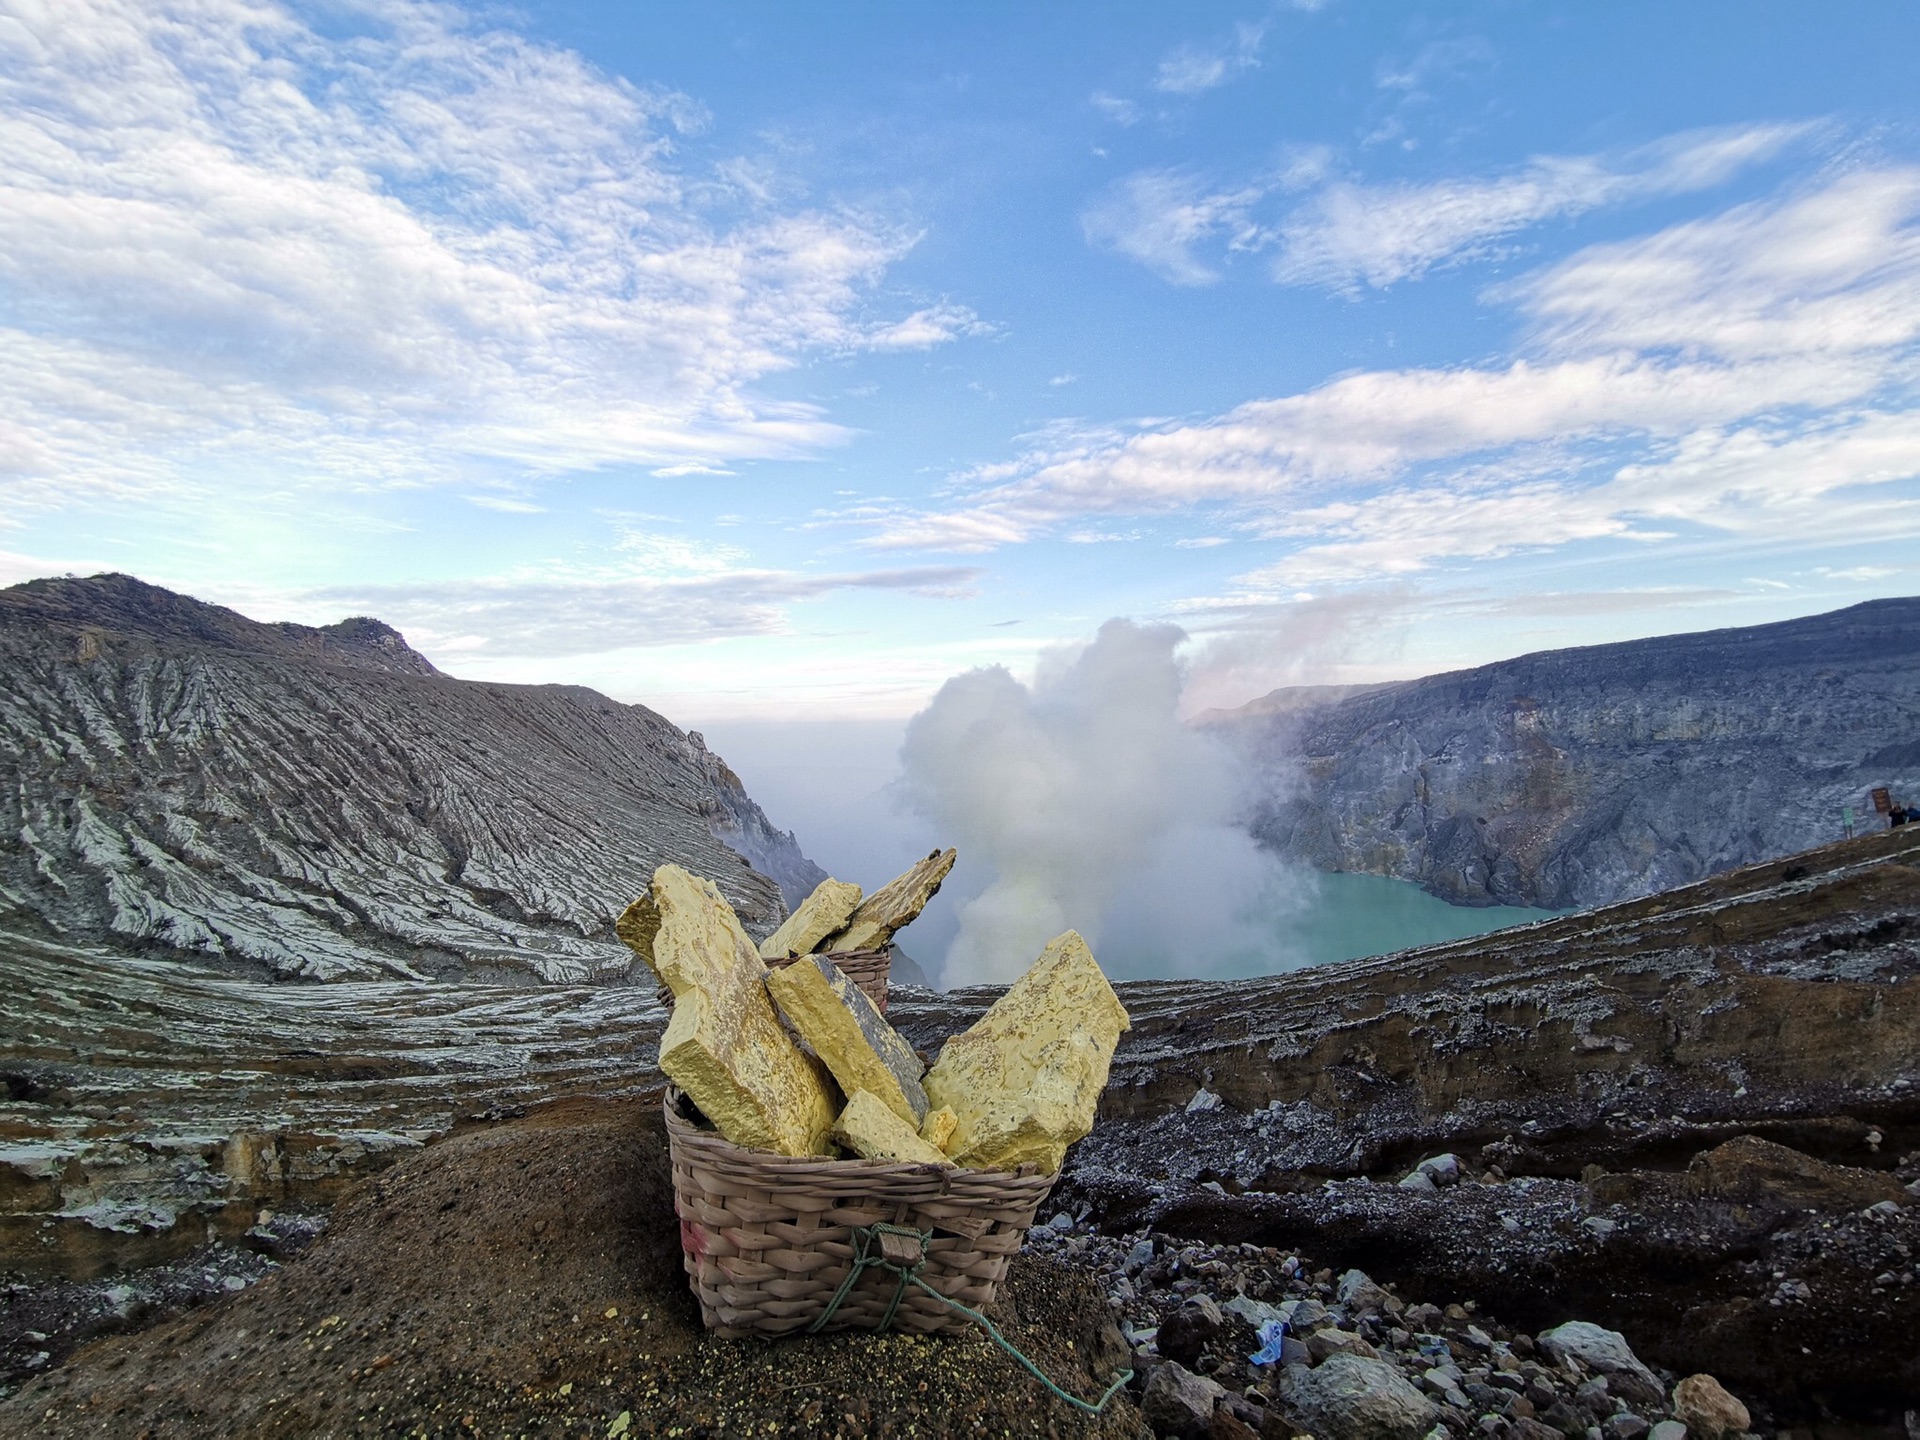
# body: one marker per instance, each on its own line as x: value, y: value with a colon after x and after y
x: 866, y: 1237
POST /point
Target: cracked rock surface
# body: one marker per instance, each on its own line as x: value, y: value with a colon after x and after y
x: 321, y: 804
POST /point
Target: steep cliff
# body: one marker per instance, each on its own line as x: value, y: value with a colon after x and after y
x: 321, y: 803
x: 1584, y: 776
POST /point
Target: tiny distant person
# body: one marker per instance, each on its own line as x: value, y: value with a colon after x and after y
x: 1896, y: 816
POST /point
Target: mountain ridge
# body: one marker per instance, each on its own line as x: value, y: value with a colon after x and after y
x: 1598, y: 773
x: 322, y: 803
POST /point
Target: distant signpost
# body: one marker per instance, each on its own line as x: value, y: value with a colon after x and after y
x: 1882, y: 800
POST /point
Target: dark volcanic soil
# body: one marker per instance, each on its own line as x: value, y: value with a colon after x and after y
x: 525, y: 1279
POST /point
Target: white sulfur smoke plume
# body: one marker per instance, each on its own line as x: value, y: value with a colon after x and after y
x: 1095, y: 808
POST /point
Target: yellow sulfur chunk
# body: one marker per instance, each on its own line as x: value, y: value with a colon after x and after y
x: 937, y: 1129
x: 826, y: 910
x: 873, y: 1132
x: 893, y: 907
x: 1025, y: 1080
x: 850, y: 1035
x: 725, y: 1045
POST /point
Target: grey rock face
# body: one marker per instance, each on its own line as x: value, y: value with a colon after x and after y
x: 1350, y: 1397
x: 322, y: 804
x: 1585, y: 776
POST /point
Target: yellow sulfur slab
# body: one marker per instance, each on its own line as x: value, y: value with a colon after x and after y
x: 849, y: 1035
x: 1025, y: 1080
x: 826, y: 910
x: 937, y: 1129
x: 873, y: 1132
x: 893, y: 907
x: 725, y: 1045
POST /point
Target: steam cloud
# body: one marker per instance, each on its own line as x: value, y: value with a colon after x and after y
x: 1095, y: 809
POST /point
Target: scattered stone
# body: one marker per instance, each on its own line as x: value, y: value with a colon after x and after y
x: 1668, y: 1430
x: 1358, y: 1295
x: 725, y: 1045
x: 1255, y: 1312
x: 1139, y: 1257
x: 1325, y: 1343
x: 1418, y: 1180
x: 873, y: 1132
x: 1024, y: 1081
x: 850, y: 1035
x: 1186, y: 1333
x: 1707, y: 1410
x: 1624, y: 1425
x: 1203, y: 1100
x: 1442, y: 1170
x: 892, y: 907
x: 1351, y: 1397
x: 1606, y: 1351
x: 826, y: 910
x: 1599, y: 1225
x: 1178, y: 1402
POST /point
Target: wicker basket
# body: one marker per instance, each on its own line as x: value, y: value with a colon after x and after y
x: 866, y: 968
x: 768, y: 1239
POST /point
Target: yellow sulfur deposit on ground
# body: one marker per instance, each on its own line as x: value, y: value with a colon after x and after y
x: 873, y: 1132
x: 826, y: 910
x: 725, y: 1045
x: 853, y: 1038
x: 892, y: 907
x: 1025, y: 1079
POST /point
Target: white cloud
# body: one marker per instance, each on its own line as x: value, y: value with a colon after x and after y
x: 1158, y: 217
x: 1746, y: 377
x: 1377, y: 235
x: 505, y: 504
x: 1192, y: 68
x: 927, y: 328
x: 393, y: 251
x: 563, y: 616
x: 1347, y: 234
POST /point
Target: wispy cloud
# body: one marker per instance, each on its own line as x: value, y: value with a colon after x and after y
x: 1346, y: 235
x: 387, y: 251
x: 555, y: 617
x: 1159, y: 217
x: 1745, y: 377
x: 1349, y: 235
x: 1192, y: 68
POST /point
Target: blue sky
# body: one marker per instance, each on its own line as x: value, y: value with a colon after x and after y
x: 780, y: 360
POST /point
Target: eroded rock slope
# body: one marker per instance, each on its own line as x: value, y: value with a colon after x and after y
x: 321, y: 804
x: 1585, y: 776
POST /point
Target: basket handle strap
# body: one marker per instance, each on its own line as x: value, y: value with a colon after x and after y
x: 868, y: 1241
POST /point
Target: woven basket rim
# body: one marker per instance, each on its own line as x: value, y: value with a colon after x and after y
x: 879, y: 1170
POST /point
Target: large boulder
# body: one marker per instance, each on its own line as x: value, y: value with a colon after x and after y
x: 1605, y: 1352
x: 725, y: 1045
x: 1179, y: 1403
x: 1702, y: 1404
x: 1025, y: 1079
x: 1350, y: 1397
x: 1186, y: 1333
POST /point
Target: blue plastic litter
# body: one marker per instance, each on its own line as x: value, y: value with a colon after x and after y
x: 1272, y: 1332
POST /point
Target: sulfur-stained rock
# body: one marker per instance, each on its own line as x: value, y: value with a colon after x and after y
x: 937, y: 1129
x: 826, y: 910
x: 893, y: 907
x: 725, y: 1045
x: 873, y: 1132
x: 1024, y: 1081
x: 850, y: 1035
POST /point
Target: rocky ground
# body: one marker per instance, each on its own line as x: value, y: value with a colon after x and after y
x: 1693, y: 1120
